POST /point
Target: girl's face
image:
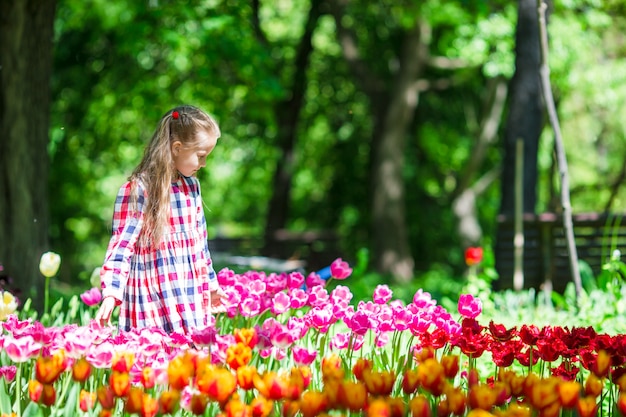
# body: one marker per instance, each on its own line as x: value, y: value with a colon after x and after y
x: 188, y: 160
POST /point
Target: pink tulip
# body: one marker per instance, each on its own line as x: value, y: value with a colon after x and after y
x: 340, y: 341
x: 303, y: 356
x: 341, y: 293
x: 298, y: 298
x: 382, y: 294
x: 470, y: 306
x: 318, y: 296
x: 91, y: 297
x: 340, y: 269
x: 8, y: 372
x: 280, y: 303
x: 21, y: 349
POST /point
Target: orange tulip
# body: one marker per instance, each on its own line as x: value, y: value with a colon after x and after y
x: 544, y: 392
x: 379, y: 383
x: 602, y: 364
x: 410, y: 381
x: 148, y: 377
x: 360, y: 365
x: 134, y: 400
x: 106, y: 397
x: 587, y: 407
x: 352, y: 395
x: 149, y: 406
x: 120, y: 383
x: 123, y: 362
x: 169, y: 402
x: 479, y: 412
x: 482, y: 396
x: 431, y: 376
x: 450, y: 365
x: 198, y: 404
x: 593, y: 385
x: 569, y: 391
x: 332, y: 368
x: 48, y: 395
x: 49, y: 368
x: 552, y: 410
x: 378, y: 408
x: 235, y: 408
x: 420, y: 406
x: 238, y: 355
x: 81, y: 370
x: 219, y: 385
x: 35, y: 389
x: 248, y: 337
x: 456, y: 401
x: 261, y: 407
x: 397, y: 407
x: 270, y: 385
x: 244, y: 376
x: 86, y: 400
x: 179, y: 372
x: 313, y: 403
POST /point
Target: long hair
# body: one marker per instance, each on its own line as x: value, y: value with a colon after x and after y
x: 157, y: 171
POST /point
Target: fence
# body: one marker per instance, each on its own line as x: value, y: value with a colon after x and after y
x: 546, y: 257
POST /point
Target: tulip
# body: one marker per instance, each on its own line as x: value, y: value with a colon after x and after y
x: 134, y: 401
x: 8, y: 304
x: 120, y: 383
x: 420, y: 406
x: 245, y: 376
x: 378, y: 408
x: 352, y: 395
x: 313, y: 403
x: 169, y: 402
x: 49, y: 264
x: 86, y: 400
x: 49, y: 368
x: 238, y: 355
x: 340, y: 269
x: 469, y: 306
x: 149, y: 406
x: 81, y: 370
x: 261, y: 407
x: 91, y: 297
x: 473, y: 256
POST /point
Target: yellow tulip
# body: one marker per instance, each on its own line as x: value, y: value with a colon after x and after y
x: 8, y: 304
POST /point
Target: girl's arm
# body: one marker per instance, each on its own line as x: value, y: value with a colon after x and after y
x: 127, y: 222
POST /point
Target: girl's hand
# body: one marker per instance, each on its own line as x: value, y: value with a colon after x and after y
x: 217, y: 300
x: 103, y: 316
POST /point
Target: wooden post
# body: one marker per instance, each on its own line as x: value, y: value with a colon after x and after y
x: 518, y: 240
x: 560, y: 151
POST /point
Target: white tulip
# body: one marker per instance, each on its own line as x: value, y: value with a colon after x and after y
x: 49, y: 264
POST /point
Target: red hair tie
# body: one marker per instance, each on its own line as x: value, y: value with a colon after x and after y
x: 174, y: 115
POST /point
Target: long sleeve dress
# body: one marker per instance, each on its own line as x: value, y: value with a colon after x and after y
x: 165, y: 287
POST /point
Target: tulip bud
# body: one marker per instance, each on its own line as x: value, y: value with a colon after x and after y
x: 49, y: 264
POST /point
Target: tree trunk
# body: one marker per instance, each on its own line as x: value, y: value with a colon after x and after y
x: 26, y: 35
x: 525, y: 121
x: 392, y: 252
x: 525, y: 118
x: 287, y: 115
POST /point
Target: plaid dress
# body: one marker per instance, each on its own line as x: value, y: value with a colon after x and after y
x: 167, y: 287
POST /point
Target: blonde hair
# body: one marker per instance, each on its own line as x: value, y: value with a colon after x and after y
x: 157, y: 171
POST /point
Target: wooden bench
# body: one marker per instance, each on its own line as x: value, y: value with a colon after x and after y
x: 311, y: 250
x: 546, y: 257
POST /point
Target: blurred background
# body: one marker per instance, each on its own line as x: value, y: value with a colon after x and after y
x: 383, y: 132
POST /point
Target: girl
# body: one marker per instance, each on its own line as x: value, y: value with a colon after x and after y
x: 157, y: 266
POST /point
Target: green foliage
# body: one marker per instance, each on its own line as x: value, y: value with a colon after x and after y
x: 120, y: 64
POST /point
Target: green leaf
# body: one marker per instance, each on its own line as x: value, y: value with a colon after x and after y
x: 32, y: 410
x: 69, y: 410
x: 5, y: 403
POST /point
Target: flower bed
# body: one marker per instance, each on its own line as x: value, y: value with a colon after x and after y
x: 290, y: 345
